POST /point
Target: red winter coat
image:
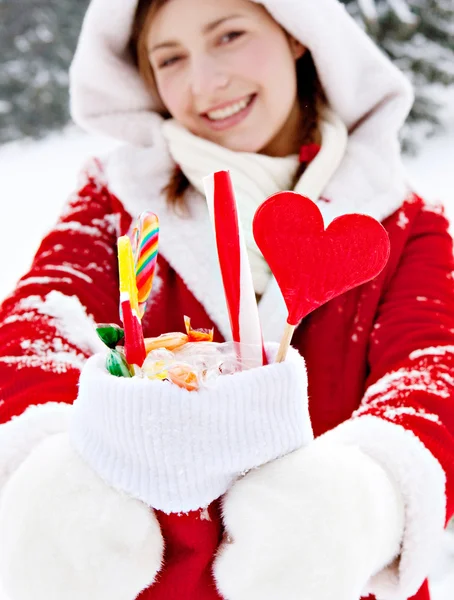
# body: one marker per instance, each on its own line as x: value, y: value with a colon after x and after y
x: 400, y: 325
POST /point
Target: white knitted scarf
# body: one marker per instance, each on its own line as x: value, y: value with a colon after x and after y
x: 255, y: 177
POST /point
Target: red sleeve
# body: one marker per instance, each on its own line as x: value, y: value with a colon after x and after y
x: 46, y: 324
x: 411, y: 355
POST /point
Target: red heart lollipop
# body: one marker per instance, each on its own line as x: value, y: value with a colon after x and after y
x: 313, y: 265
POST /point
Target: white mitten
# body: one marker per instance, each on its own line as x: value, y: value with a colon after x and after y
x: 19, y: 436
x: 64, y: 533
x: 313, y: 525
x: 178, y: 450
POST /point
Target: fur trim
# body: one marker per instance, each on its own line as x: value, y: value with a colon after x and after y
x: 114, y: 429
x: 422, y: 482
x: 359, y: 80
x: 65, y: 534
x: 314, y: 524
x: 19, y: 436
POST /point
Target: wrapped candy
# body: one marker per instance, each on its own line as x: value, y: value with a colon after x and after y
x: 183, y: 376
x: 110, y: 333
x: 197, y: 335
x: 196, y: 365
x: 168, y: 341
x: 116, y: 364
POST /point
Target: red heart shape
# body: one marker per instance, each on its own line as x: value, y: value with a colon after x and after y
x: 313, y: 265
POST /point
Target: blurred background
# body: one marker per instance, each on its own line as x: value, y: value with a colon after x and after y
x: 41, y: 151
x: 38, y: 38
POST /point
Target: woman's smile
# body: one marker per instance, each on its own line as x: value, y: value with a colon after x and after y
x: 231, y: 115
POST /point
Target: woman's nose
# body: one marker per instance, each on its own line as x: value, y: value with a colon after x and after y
x: 207, y: 76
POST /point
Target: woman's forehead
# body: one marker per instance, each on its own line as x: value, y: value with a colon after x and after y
x: 204, y: 15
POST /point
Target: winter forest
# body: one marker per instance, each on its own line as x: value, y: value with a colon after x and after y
x: 41, y: 150
x: 38, y: 39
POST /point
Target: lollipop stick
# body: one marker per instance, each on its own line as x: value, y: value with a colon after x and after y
x: 285, y: 342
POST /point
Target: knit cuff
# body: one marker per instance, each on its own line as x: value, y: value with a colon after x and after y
x: 177, y: 450
x: 421, y: 481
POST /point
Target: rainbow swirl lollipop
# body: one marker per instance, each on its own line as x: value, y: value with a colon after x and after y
x: 145, y: 241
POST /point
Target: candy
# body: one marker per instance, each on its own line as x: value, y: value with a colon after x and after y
x: 156, y: 370
x: 145, y: 245
x: 313, y: 265
x: 235, y: 269
x: 117, y: 365
x: 168, y: 341
x: 110, y: 333
x: 175, y: 340
x: 127, y: 272
x: 197, y: 335
x: 134, y: 342
x: 184, y: 377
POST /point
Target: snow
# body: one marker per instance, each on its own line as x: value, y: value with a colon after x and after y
x: 69, y: 318
x: 37, y: 178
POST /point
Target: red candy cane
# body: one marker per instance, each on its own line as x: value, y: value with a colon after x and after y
x: 235, y: 269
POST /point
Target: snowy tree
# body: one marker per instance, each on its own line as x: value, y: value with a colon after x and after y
x: 37, y: 41
x: 38, y: 37
x: 418, y: 35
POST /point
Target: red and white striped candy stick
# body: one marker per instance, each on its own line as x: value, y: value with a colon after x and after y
x: 235, y: 268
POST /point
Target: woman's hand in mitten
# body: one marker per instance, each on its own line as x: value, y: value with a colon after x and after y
x: 313, y: 525
x: 178, y: 451
x: 64, y: 533
x: 19, y: 436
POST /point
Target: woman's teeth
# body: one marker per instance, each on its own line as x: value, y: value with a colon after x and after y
x: 229, y: 111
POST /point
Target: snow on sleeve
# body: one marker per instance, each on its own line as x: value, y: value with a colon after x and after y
x: 74, y: 328
x: 47, y: 325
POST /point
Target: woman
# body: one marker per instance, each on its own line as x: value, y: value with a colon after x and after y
x: 284, y: 94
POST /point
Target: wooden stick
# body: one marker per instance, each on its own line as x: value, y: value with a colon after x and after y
x: 285, y: 342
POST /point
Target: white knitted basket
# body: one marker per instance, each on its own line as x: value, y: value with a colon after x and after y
x: 178, y: 450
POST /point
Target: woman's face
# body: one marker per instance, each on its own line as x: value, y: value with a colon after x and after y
x: 226, y: 71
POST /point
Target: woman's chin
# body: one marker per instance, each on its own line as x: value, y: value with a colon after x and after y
x: 244, y: 142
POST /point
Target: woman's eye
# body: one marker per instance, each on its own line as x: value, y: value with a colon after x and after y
x: 168, y: 62
x: 229, y: 37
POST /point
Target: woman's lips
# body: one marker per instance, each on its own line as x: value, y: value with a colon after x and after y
x: 228, y: 122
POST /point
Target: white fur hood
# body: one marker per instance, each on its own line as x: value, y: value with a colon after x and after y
x: 369, y: 94
x: 361, y: 84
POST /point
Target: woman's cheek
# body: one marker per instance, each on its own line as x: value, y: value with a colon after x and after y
x: 171, y: 93
x: 262, y: 58
x: 251, y: 62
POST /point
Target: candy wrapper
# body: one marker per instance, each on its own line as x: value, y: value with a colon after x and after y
x: 189, y: 360
x: 194, y: 365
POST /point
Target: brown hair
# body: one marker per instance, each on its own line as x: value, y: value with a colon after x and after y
x: 310, y: 92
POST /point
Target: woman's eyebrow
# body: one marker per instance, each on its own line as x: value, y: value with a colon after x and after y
x: 210, y: 26
x: 206, y: 29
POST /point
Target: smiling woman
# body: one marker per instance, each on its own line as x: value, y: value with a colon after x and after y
x: 230, y: 74
x: 191, y: 87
